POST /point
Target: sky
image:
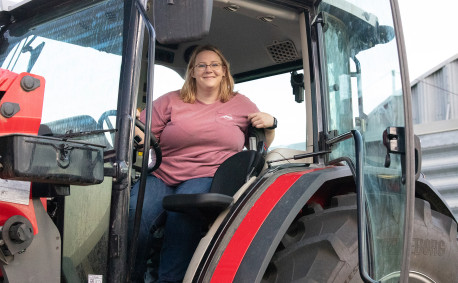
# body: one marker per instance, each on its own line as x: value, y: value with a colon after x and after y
x: 429, y: 33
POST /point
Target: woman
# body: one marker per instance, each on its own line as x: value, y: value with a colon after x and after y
x: 198, y: 128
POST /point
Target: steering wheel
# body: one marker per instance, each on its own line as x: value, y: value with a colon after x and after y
x: 154, y: 144
x: 104, y: 123
x: 105, y: 118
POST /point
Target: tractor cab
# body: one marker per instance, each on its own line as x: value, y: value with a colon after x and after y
x: 336, y: 198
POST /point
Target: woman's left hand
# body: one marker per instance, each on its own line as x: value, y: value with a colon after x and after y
x: 261, y: 120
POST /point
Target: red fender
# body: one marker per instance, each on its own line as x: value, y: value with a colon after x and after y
x: 233, y: 254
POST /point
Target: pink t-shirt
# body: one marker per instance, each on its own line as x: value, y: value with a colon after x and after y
x: 196, y: 138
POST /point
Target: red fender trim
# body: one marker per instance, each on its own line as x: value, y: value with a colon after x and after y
x: 241, y: 240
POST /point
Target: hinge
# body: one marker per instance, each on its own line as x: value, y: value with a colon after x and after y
x: 114, y: 245
x: 319, y: 19
x: 119, y: 171
x: 324, y: 139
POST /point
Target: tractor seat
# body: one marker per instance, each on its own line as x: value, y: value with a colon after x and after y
x: 230, y: 176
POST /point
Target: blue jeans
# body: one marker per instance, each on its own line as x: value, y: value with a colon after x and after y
x: 182, y: 232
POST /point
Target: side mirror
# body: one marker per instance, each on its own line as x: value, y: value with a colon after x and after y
x: 178, y: 21
x: 385, y: 34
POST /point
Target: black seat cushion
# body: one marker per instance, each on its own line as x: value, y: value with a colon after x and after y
x: 233, y: 173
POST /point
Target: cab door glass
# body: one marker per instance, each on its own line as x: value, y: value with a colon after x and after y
x: 364, y: 93
x: 79, y: 56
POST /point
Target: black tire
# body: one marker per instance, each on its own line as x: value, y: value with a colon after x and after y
x: 323, y: 246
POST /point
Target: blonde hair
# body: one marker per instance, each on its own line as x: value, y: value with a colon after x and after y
x: 189, y: 90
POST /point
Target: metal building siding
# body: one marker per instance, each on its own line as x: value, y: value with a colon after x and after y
x: 435, y: 113
x: 435, y: 94
x: 440, y: 164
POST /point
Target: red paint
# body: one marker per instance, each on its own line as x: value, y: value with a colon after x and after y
x: 241, y: 240
x: 28, y: 119
x: 9, y: 209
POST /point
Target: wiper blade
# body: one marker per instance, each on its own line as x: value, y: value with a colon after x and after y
x: 299, y: 156
x: 70, y: 134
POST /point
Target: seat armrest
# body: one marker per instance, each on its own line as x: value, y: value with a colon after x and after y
x: 207, y: 205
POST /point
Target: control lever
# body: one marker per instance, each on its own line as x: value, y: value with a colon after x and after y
x: 261, y: 150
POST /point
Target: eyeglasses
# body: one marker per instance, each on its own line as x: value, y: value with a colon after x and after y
x: 201, y: 67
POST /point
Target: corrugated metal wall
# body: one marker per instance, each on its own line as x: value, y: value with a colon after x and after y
x: 435, y: 94
x: 435, y: 113
x: 440, y: 163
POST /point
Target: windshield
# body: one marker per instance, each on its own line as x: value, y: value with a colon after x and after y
x: 273, y: 95
x: 80, y: 61
x: 364, y: 94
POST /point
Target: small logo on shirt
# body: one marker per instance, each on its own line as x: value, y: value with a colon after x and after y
x: 227, y: 117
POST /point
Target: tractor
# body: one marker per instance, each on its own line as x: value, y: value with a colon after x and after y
x: 338, y: 197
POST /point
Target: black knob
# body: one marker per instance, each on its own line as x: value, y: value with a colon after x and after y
x: 29, y: 83
x: 20, y: 232
x: 8, y: 109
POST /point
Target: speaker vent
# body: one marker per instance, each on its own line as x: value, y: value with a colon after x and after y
x: 282, y: 52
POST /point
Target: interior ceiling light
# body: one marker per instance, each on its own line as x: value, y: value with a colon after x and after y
x: 232, y: 8
x: 267, y: 19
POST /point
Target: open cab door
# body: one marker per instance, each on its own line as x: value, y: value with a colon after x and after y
x: 365, y: 97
